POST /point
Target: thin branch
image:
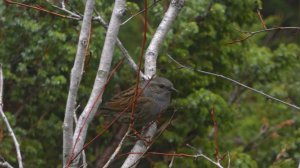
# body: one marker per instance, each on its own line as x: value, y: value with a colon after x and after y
x: 200, y: 154
x: 164, y: 126
x: 10, y: 130
x: 250, y: 34
x: 228, y: 155
x: 64, y: 9
x: 84, y: 163
x: 136, y: 92
x: 112, y: 146
x: 141, y: 11
x: 210, y: 160
x: 112, y: 157
x: 172, y: 160
x: 5, y: 164
x: 140, y: 148
x: 180, y: 155
x: 235, y: 82
x: 264, y: 132
x: 160, y: 131
x: 120, y: 45
x: 39, y: 8
x: 261, y: 19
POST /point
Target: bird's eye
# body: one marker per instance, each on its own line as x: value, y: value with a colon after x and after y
x: 161, y: 86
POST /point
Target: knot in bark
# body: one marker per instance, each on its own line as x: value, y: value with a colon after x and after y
x: 122, y: 12
x: 84, y: 42
x: 178, y: 3
x: 151, y: 54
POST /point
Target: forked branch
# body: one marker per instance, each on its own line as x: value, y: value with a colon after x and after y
x: 10, y: 130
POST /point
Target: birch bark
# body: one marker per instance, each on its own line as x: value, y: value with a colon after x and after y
x: 76, y: 74
x: 100, y: 80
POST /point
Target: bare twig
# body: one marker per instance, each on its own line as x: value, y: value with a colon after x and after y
x: 264, y: 132
x: 160, y: 131
x: 141, y: 11
x: 228, y: 155
x: 84, y: 163
x: 72, y: 14
x: 164, y: 126
x: 112, y: 157
x: 132, y: 160
x: 261, y: 19
x: 39, y: 8
x: 5, y: 164
x: 210, y: 160
x: 113, y: 145
x: 181, y: 155
x: 200, y: 154
x: 235, y: 82
x: 10, y: 130
x: 250, y: 34
x: 120, y: 45
x: 172, y: 160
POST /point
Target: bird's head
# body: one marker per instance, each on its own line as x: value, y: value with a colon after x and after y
x: 158, y: 87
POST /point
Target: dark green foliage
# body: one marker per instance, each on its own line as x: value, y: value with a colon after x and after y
x: 37, y: 51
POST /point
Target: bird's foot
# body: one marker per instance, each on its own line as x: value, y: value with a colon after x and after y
x: 147, y: 141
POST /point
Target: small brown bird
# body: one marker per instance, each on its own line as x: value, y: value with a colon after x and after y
x: 154, y: 97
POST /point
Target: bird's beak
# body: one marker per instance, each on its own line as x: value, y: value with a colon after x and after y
x: 173, y: 89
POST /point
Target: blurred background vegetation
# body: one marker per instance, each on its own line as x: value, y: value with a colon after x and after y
x: 37, y: 52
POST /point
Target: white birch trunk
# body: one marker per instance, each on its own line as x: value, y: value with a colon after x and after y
x: 100, y: 81
x: 76, y: 75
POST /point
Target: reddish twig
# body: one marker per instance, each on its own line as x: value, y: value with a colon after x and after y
x: 261, y: 19
x: 39, y: 8
x: 161, y: 130
x: 176, y: 155
x: 265, y: 131
x: 139, y: 67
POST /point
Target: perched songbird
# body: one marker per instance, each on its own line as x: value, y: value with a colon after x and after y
x: 154, y: 97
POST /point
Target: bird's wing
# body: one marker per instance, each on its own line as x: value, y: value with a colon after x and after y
x: 120, y: 101
x: 146, y: 110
